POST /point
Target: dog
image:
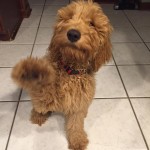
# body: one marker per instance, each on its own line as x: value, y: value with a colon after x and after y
x: 63, y: 80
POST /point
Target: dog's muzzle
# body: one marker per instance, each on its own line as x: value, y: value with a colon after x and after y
x: 73, y: 35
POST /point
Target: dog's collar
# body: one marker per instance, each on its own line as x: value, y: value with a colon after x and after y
x: 70, y: 70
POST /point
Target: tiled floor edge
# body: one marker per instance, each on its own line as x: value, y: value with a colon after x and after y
x: 146, y: 144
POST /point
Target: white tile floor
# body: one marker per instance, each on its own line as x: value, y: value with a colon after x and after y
x: 118, y: 119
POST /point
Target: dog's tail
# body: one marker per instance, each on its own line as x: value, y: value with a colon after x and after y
x: 32, y: 73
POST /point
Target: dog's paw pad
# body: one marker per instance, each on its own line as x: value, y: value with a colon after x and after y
x: 30, y: 75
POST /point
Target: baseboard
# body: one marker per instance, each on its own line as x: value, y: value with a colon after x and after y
x: 144, y: 6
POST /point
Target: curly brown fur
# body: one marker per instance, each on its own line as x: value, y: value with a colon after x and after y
x: 49, y: 85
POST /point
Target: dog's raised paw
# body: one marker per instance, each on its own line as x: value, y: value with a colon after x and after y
x: 31, y: 69
x: 26, y: 69
x: 33, y: 72
x: 30, y: 74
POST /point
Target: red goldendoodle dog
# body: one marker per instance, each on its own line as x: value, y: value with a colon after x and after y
x: 63, y: 80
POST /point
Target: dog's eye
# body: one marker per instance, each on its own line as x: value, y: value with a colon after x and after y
x: 91, y: 24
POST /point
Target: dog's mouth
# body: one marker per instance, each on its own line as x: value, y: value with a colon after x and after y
x: 74, y: 54
x: 74, y: 47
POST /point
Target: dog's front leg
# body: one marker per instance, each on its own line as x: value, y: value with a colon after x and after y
x: 77, y: 138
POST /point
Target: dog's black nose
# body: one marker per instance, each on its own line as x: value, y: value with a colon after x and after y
x: 73, y: 35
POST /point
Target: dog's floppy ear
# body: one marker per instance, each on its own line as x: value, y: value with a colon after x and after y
x: 102, y: 55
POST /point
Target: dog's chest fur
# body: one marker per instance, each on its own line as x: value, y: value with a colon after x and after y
x: 74, y: 90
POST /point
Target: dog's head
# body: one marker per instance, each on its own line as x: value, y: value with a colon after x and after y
x: 82, y: 33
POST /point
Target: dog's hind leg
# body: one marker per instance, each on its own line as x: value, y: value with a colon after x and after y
x: 77, y: 138
x: 32, y: 73
x: 39, y: 118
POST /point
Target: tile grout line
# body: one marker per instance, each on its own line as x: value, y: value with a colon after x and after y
x: 48, y: 43
x: 9, y: 101
x: 6, y: 67
x: 107, y: 65
x: 120, y: 98
x: 131, y: 42
x: 97, y: 98
x: 136, y: 31
x: 38, y: 28
x: 134, y: 113
x: 111, y: 65
x: 132, y: 65
x: 13, y: 120
x: 124, y: 42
